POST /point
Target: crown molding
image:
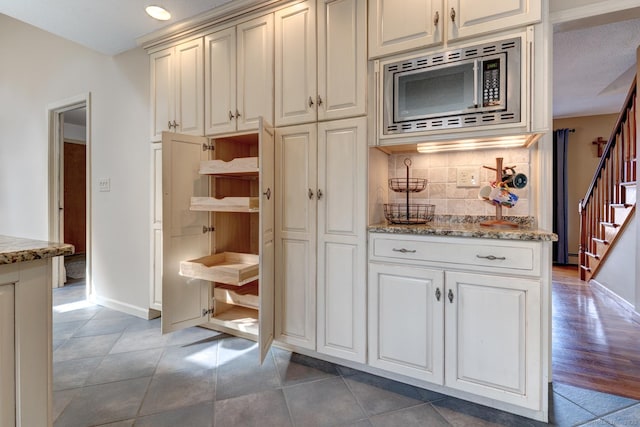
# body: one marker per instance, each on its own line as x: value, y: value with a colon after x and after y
x: 217, y: 15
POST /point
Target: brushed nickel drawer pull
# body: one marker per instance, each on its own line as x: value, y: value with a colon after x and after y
x: 405, y: 251
x: 492, y: 257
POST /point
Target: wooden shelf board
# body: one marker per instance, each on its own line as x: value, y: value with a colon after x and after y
x: 242, y: 166
x: 231, y: 268
x: 238, y: 318
x: 244, y: 296
x: 226, y: 204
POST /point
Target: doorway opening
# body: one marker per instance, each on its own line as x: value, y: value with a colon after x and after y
x: 70, y: 188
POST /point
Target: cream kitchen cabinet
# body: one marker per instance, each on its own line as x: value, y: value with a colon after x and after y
x: 177, y: 93
x: 218, y: 236
x: 7, y: 355
x: 402, y: 25
x: 321, y: 237
x: 26, y: 331
x: 155, y: 287
x: 238, y: 88
x: 467, y: 18
x: 464, y: 314
x: 434, y: 22
x: 323, y: 76
x: 406, y: 333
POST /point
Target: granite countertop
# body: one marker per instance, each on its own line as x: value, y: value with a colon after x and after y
x: 17, y: 249
x: 468, y: 226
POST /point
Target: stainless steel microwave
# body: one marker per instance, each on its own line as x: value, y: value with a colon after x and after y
x: 472, y: 86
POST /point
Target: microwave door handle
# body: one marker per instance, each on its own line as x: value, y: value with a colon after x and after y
x: 475, y: 83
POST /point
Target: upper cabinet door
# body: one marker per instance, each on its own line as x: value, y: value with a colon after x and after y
x: 468, y: 18
x: 295, y: 54
x: 189, y: 77
x: 183, y: 299
x: 267, y: 240
x: 255, y: 72
x: 400, y: 25
x: 342, y: 58
x: 220, y: 82
x: 162, y: 91
x: 176, y: 90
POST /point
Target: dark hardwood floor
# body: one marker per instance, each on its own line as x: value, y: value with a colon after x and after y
x: 596, y: 341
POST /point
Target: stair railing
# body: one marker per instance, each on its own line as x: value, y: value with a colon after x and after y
x: 617, y: 167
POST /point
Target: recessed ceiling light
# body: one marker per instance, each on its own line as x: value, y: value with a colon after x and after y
x: 157, y: 12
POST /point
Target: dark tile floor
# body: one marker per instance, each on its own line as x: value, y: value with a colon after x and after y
x: 112, y: 369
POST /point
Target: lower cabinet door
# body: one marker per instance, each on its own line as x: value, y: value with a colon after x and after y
x: 7, y: 358
x: 493, y: 337
x: 406, y: 317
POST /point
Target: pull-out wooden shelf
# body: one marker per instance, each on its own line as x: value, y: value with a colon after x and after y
x: 240, y: 167
x: 226, y: 204
x: 231, y: 268
x: 245, y: 296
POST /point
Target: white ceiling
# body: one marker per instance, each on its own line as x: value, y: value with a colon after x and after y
x: 593, y: 61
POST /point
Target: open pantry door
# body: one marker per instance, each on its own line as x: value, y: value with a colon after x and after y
x: 267, y: 240
x: 184, y: 232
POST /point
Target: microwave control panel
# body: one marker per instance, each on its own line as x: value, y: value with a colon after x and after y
x: 491, y: 82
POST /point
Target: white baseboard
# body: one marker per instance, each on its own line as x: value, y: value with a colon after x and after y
x: 141, y: 312
x: 626, y: 305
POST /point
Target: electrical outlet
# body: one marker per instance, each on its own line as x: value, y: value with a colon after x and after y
x: 468, y: 177
x: 104, y: 184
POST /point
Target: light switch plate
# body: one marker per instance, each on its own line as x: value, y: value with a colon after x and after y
x: 104, y: 184
x: 468, y: 177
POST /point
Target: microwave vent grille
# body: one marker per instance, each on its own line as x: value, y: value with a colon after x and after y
x: 470, y: 120
x: 423, y: 62
x: 454, y: 56
x: 453, y: 122
x: 508, y: 45
x: 438, y: 59
x: 393, y: 67
x: 489, y: 49
x: 406, y: 65
x: 507, y: 116
x: 470, y: 53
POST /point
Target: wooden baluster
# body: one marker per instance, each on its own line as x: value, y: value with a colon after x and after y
x: 634, y: 147
x: 627, y: 146
x: 582, y: 242
x: 606, y: 187
x: 618, y: 150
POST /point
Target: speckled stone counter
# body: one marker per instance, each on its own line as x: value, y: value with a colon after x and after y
x: 468, y: 226
x: 16, y: 249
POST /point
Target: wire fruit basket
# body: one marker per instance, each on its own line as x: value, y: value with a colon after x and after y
x: 413, y: 213
x: 412, y: 185
x: 408, y: 213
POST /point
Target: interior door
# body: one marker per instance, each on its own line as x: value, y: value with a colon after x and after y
x: 267, y: 240
x: 183, y: 299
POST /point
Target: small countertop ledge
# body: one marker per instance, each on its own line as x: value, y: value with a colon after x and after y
x: 17, y: 249
x: 474, y: 230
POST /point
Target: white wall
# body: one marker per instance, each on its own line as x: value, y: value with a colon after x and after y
x: 39, y: 69
x: 617, y: 272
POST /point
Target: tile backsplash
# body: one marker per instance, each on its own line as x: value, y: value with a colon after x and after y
x: 441, y: 171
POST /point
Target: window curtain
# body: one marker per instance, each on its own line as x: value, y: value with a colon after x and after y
x: 560, y: 208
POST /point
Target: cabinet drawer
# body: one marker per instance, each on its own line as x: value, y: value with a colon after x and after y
x: 494, y: 256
